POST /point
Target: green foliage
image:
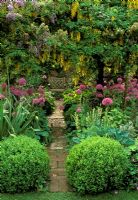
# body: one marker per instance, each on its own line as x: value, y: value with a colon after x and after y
x: 103, y: 123
x: 15, y: 119
x: 24, y: 165
x: 96, y: 165
x: 132, y: 175
x: 73, y: 36
x: 20, y: 117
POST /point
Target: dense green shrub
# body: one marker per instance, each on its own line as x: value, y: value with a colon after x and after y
x: 97, y: 164
x: 24, y: 165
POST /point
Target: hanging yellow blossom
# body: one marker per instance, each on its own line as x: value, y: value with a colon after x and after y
x: 74, y: 9
x: 17, y: 66
x: 97, y: 2
x: 113, y: 18
x: 66, y: 65
x: 75, y: 80
x: 133, y: 4
x: 78, y: 37
x: 83, y: 72
x: 72, y: 35
x: 60, y: 59
x: 81, y: 58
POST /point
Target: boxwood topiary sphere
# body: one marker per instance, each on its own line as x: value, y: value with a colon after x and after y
x: 24, y: 165
x: 96, y: 165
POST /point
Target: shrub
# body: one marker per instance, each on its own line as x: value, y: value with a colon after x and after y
x: 24, y: 165
x: 97, y: 164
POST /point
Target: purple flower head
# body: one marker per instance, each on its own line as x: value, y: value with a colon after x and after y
x: 78, y: 110
x: 107, y: 101
x: 127, y: 98
x: 38, y: 101
x: 20, y: 3
x: 30, y: 91
x: 10, y: 7
x: 78, y: 91
x: 99, y: 95
x: 17, y: 92
x: 82, y: 87
x: 99, y: 87
x: 4, y: 86
x: 2, y: 97
x: 119, y: 80
x: 41, y: 90
x: 22, y: 81
x: 11, y: 16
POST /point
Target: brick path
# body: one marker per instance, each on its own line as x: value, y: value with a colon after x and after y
x: 57, y: 152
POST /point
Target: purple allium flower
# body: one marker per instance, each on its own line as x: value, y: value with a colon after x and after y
x: 10, y: 7
x: 12, y: 16
x: 4, y: 86
x: 30, y: 91
x: 22, y: 81
x: 99, y: 95
x: 119, y: 80
x: 78, y: 110
x: 99, y: 87
x: 2, y: 97
x: 17, y: 92
x: 38, y: 101
x: 82, y: 87
x: 107, y: 101
x: 127, y: 98
x: 20, y: 3
x: 41, y: 90
x: 78, y: 91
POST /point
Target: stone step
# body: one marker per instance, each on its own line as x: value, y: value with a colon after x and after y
x: 58, y: 132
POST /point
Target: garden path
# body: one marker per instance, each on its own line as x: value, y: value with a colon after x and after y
x: 57, y: 151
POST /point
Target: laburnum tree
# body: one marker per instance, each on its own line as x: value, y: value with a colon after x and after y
x: 101, y: 37
x: 84, y: 37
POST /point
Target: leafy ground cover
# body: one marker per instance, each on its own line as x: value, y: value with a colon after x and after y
x: 70, y: 196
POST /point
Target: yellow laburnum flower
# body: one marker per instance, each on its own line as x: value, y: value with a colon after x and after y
x: 78, y: 37
x: 67, y: 65
x: 97, y: 2
x: 72, y: 35
x: 75, y: 80
x: 81, y: 58
x: 113, y: 18
x: 83, y: 72
x: 17, y: 66
x: 74, y: 8
x: 61, y: 59
x: 133, y: 4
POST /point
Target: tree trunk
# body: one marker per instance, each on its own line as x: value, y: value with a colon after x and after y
x: 100, y: 65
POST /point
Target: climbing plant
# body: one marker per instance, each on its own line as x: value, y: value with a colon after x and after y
x: 88, y: 38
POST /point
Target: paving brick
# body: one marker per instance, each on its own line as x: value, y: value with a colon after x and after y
x: 60, y: 164
x: 63, y: 184
x: 54, y: 185
x: 58, y: 172
x: 57, y: 152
